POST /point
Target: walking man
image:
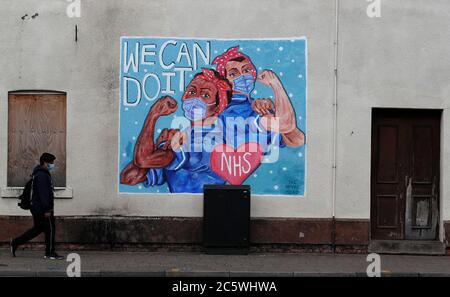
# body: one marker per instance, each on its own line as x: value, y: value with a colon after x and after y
x: 41, y: 209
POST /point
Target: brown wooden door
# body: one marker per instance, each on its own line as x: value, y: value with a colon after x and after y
x: 36, y: 124
x: 405, y: 174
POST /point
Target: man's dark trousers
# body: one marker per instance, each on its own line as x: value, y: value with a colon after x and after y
x: 40, y: 224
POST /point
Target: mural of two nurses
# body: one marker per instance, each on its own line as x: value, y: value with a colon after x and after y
x: 205, y: 111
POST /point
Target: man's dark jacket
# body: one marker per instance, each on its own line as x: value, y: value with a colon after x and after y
x: 42, y: 200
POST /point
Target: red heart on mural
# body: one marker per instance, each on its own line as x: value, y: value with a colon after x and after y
x: 236, y: 165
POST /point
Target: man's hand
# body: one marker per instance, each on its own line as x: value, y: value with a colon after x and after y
x: 47, y: 214
x: 268, y: 78
x: 263, y: 107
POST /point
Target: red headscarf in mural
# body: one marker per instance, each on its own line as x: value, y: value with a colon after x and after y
x: 222, y: 87
x: 232, y: 53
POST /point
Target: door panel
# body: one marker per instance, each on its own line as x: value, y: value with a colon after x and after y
x: 422, y: 209
x: 388, y: 162
x: 388, y: 216
x: 405, y: 174
x: 422, y: 155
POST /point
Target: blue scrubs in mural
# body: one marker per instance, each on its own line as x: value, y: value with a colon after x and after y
x: 241, y: 107
x: 190, y: 169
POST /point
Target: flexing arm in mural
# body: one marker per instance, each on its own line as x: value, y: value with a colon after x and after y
x: 291, y: 134
x: 147, y: 154
x: 241, y: 73
x: 206, y: 96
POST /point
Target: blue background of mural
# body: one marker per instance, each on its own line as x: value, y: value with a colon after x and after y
x: 286, y: 57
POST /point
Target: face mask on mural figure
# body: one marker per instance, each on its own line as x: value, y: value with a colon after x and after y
x: 244, y: 84
x: 195, y: 108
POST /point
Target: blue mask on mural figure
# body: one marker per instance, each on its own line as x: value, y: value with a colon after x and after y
x: 195, y: 109
x: 244, y: 84
x: 51, y: 167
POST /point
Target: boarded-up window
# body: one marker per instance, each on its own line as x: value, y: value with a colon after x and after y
x: 36, y: 124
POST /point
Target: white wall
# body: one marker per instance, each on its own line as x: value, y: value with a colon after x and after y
x: 41, y: 53
x: 398, y: 60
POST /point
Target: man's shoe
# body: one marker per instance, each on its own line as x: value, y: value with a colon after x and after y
x: 12, y: 247
x: 53, y: 256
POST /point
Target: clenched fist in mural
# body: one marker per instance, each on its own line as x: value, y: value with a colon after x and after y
x: 147, y: 154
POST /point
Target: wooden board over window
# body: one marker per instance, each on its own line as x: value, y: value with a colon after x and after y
x: 36, y: 124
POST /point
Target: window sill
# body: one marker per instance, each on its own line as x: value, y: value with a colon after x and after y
x: 15, y: 192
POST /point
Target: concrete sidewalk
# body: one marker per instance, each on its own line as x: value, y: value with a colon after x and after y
x: 99, y: 263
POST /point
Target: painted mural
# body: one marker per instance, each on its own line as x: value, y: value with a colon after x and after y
x: 212, y: 111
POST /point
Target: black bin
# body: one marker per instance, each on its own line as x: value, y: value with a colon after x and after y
x: 226, y: 219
